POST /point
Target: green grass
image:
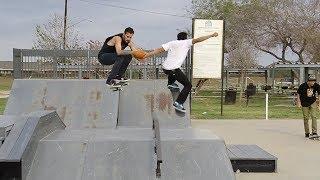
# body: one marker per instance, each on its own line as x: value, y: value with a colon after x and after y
x: 5, y: 83
x: 208, y: 93
x: 279, y: 107
x: 3, y: 102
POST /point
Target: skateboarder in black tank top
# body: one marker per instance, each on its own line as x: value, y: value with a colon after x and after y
x: 112, y: 52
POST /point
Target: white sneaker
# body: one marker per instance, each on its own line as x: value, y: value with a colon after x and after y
x: 179, y: 107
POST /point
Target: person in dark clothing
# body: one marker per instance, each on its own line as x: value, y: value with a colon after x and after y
x: 308, y: 93
x: 112, y: 52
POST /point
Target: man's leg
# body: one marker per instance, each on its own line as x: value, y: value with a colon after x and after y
x: 305, y: 112
x: 182, y: 78
x: 314, y: 119
x: 171, y: 76
x: 107, y: 58
x: 114, y: 73
x: 124, y: 65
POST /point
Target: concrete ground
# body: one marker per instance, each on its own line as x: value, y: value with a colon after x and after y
x: 298, y: 157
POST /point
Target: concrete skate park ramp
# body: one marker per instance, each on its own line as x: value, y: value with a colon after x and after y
x: 141, y: 98
x: 129, y: 154
x: 79, y: 103
x: 111, y: 135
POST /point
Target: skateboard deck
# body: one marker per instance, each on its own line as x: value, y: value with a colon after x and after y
x: 119, y: 85
x: 314, y: 137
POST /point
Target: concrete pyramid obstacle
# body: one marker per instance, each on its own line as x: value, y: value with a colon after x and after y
x: 115, y: 135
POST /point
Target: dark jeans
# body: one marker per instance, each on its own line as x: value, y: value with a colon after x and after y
x: 120, y: 64
x: 178, y: 75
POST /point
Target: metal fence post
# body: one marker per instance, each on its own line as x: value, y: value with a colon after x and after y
x: 145, y: 72
x: 55, y: 68
x: 17, y: 63
x: 88, y: 68
x: 79, y: 71
x: 157, y: 73
x: 130, y: 74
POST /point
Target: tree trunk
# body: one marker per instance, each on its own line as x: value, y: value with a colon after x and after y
x: 241, y: 84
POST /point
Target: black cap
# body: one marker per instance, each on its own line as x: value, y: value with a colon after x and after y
x: 312, y: 77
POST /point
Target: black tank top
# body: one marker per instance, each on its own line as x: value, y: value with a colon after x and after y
x: 112, y: 49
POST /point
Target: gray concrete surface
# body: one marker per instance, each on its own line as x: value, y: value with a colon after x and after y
x: 21, y: 143
x: 140, y: 98
x: 128, y: 154
x: 298, y: 157
x: 80, y: 104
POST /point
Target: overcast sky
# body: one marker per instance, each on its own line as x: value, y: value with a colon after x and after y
x: 18, y: 19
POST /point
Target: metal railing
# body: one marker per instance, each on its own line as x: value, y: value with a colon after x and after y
x: 80, y: 64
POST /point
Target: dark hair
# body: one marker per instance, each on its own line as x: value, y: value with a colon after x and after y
x: 129, y: 30
x: 182, y: 36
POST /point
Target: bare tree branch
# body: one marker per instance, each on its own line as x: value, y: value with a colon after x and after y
x: 50, y: 35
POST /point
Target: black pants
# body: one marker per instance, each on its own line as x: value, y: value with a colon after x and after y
x: 120, y: 66
x: 178, y: 75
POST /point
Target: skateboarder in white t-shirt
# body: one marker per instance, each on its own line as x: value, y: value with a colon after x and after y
x: 177, y: 53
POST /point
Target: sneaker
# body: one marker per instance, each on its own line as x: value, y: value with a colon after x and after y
x: 179, y: 107
x: 314, y: 135
x: 123, y: 79
x: 113, y: 82
x: 110, y: 83
x: 307, y: 135
x: 173, y: 86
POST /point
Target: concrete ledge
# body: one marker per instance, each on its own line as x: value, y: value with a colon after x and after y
x: 18, y: 149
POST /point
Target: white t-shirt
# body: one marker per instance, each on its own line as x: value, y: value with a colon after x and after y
x: 177, y: 53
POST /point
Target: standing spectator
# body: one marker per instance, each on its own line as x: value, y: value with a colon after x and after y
x: 308, y: 93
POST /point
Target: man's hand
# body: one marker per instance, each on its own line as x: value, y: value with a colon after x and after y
x: 147, y: 55
x: 215, y: 34
x: 203, y: 38
x: 299, y: 105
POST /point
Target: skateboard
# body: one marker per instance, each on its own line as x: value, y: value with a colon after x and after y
x: 118, y: 86
x: 315, y: 138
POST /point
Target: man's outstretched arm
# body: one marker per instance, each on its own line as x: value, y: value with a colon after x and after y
x: 203, y: 38
x: 133, y: 46
x: 154, y: 52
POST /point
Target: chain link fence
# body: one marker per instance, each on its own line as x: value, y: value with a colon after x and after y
x: 81, y: 64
